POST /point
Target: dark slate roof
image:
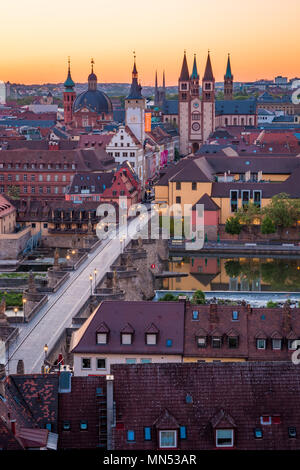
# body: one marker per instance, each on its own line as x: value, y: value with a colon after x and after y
x: 26, y: 122
x: 170, y: 107
x: 209, y: 204
x: 194, y: 170
x: 83, y: 403
x: 204, y: 396
x: 119, y: 115
x: 167, y: 316
x: 224, y: 107
x: 208, y: 74
x: 100, y: 181
x: 287, y: 118
x: 94, y: 100
x: 241, y: 164
x: 184, y: 75
x: 135, y: 92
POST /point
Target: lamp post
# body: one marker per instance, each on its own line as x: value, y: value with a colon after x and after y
x: 95, y: 274
x: 45, y: 351
x: 91, y: 281
x: 24, y: 300
x: 16, y: 311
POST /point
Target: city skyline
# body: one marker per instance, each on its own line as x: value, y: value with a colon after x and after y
x: 259, y: 48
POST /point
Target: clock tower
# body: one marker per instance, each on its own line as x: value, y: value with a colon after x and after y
x: 135, y: 107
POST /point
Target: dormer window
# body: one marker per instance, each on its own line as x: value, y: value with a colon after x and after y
x: 168, y: 439
x: 276, y: 344
x: 127, y: 334
x: 261, y: 344
x: 151, y: 338
x: 126, y: 338
x: 201, y: 341
x: 102, y: 338
x: 224, y: 437
x: 233, y: 342
x: 151, y: 335
x: 216, y: 342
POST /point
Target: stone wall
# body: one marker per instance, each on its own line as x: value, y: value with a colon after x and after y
x: 12, y: 244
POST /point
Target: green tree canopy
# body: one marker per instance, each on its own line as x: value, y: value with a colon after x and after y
x: 233, y: 226
x: 283, y: 211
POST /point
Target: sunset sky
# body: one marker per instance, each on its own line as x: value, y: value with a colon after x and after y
x: 37, y: 37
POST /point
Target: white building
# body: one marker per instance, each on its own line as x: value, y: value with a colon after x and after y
x: 2, y: 92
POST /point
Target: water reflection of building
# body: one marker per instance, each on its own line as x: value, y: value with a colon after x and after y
x: 239, y: 274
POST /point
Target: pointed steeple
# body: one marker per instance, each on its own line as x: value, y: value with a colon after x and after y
x: 135, y: 89
x: 134, y: 70
x: 195, y: 75
x: 164, y: 81
x: 69, y: 84
x: 208, y: 74
x: 92, y: 78
x: 228, y: 69
x: 156, y: 85
x: 184, y: 75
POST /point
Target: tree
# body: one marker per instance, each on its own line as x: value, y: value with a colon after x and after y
x: 198, y: 297
x: 233, y: 268
x: 271, y: 304
x: 233, y: 226
x: 13, y: 192
x: 248, y: 214
x: 267, y: 226
x: 283, y: 211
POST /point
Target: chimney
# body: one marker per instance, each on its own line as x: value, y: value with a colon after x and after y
x: 213, y: 313
x: 109, y: 408
x: 287, y: 318
x: 249, y: 308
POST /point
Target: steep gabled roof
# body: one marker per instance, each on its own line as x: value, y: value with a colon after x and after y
x: 184, y: 75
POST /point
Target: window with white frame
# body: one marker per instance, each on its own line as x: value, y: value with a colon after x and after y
x: 276, y: 343
x: 86, y: 363
x: 101, y: 363
x: 101, y: 338
x: 201, y: 341
x: 261, y: 344
x: 224, y: 437
x: 126, y: 338
x: 151, y: 338
x: 167, y: 439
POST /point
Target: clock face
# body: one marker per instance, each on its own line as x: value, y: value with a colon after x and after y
x: 196, y: 105
x: 133, y: 119
x: 196, y: 126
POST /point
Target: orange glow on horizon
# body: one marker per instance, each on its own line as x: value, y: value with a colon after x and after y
x: 262, y: 38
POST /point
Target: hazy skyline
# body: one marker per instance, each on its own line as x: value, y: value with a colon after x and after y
x: 262, y: 38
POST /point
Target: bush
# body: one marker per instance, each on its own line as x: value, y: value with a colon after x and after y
x: 12, y: 299
x: 271, y: 304
x: 267, y: 226
x: 233, y: 226
x: 168, y: 298
x: 198, y: 297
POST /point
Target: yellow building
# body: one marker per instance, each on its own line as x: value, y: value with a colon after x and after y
x: 230, y: 182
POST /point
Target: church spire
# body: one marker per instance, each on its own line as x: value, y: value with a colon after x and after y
x: 134, y: 70
x: 228, y: 69
x: 92, y: 78
x: 69, y: 84
x: 164, y: 81
x: 208, y: 74
x: 135, y: 89
x: 184, y: 75
x: 194, y: 75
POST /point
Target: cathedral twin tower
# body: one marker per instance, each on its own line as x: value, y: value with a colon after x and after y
x: 196, y: 116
